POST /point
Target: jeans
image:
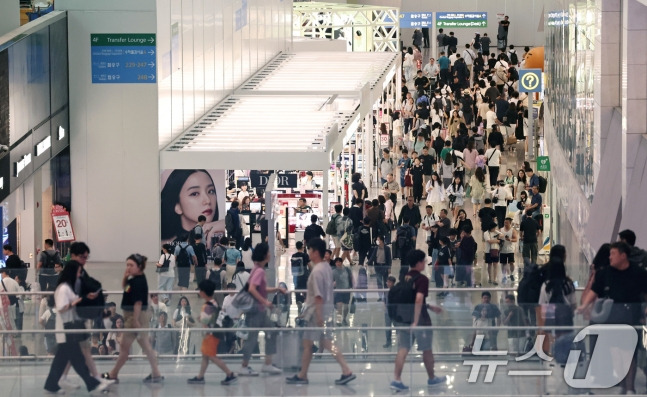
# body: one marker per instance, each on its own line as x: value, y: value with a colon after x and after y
x: 500, y: 214
x: 69, y: 352
x: 258, y: 319
x: 47, y: 279
x: 165, y: 283
x: 387, y: 323
x: 530, y: 251
x: 494, y: 174
x: 200, y: 273
x: 381, y: 274
x: 362, y: 256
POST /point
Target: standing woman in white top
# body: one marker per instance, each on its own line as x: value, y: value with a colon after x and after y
x: 166, y: 271
x: 397, y: 133
x: 246, y: 253
x: 454, y: 194
x: 521, y: 184
x: 493, y: 161
x: 69, y: 349
x: 435, y: 193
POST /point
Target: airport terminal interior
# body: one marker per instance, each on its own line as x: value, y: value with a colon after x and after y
x: 372, y: 197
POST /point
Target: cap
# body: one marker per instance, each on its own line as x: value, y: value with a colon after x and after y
x: 476, y: 33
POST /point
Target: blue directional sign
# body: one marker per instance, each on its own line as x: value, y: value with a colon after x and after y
x: 123, y: 58
x: 530, y: 80
x: 416, y: 19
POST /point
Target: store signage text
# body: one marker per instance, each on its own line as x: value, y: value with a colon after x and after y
x: 287, y: 180
x: 461, y: 19
x: 21, y: 164
x: 43, y: 145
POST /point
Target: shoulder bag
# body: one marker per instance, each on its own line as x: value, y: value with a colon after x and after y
x: 244, y: 301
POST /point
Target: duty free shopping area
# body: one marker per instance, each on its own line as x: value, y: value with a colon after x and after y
x: 494, y: 169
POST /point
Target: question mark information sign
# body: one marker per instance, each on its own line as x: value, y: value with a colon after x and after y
x: 530, y: 80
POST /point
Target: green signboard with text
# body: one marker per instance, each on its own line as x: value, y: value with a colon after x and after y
x: 543, y: 163
x: 461, y: 19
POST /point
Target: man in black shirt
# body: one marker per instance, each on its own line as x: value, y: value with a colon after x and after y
x: 201, y: 255
x: 410, y: 211
x: 421, y: 82
x: 443, y: 224
x: 356, y: 214
x: 487, y: 214
x: 530, y: 231
x: 625, y: 284
x: 302, y: 272
x: 465, y: 256
x: 492, y: 93
x: 13, y: 262
x: 428, y: 162
x: 313, y: 230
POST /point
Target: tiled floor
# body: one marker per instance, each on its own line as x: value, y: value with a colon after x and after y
x: 372, y: 380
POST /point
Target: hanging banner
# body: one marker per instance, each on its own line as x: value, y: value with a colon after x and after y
x: 62, y: 224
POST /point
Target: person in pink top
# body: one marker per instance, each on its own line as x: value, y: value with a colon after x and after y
x: 257, y: 317
x: 469, y: 159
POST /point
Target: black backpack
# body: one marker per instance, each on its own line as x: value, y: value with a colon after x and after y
x: 514, y: 59
x: 543, y: 183
x: 439, y: 144
x: 165, y: 264
x: 51, y: 260
x: 530, y: 285
x: 563, y: 310
x: 91, y: 309
x: 215, y: 278
x: 182, y: 259
x: 403, y: 237
x: 51, y: 321
x: 402, y: 300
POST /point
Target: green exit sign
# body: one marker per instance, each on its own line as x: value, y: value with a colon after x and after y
x: 543, y: 163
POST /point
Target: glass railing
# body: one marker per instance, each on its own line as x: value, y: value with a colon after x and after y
x: 479, y: 345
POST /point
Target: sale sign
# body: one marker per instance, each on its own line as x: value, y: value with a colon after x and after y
x: 62, y: 224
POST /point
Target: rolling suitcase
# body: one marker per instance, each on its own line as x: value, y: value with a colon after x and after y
x: 288, y: 350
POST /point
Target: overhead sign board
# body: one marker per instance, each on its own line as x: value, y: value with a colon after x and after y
x: 461, y: 19
x: 416, y: 20
x: 530, y: 80
x: 287, y: 180
x: 123, y: 58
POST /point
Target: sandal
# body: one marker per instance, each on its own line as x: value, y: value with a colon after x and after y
x: 106, y: 376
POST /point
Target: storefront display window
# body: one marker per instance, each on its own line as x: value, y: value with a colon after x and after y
x: 570, y: 70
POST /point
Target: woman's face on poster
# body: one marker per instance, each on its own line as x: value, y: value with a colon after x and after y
x: 197, y: 197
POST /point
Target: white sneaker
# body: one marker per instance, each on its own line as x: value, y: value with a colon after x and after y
x: 65, y: 383
x: 246, y: 371
x: 100, y: 388
x: 271, y: 369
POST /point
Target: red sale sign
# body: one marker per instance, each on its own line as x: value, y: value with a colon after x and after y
x: 62, y: 224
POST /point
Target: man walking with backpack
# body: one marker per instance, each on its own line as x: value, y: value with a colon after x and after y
x: 47, y: 259
x: 184, y: 258
x: 386, y: 167
x: 412, y: 292
x: 333, y: 228
x: 405, y: 238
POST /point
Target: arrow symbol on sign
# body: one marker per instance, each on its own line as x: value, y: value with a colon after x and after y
x: 152, y: 77
x: 151, y: 52
x: 151, y: 40
x: 152, y: 64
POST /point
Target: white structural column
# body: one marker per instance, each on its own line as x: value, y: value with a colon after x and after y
x: 607, y: 87
x: 634, y: 86
x: 113, y: 138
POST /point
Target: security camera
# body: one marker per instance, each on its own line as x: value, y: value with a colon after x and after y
x: 4, y: 148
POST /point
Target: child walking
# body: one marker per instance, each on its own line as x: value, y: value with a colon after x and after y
x: 208, y: 318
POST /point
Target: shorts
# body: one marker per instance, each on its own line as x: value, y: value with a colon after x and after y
x: 477, y: 201
x: 129, y: 321
x: 490, y: 259
x: 317, y: 335
x: 209, y: 345
x: 506, y: 258
x: 336, y: 241
x: 406, y: 337
x: 343, y: 297
x: 183, y: 274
